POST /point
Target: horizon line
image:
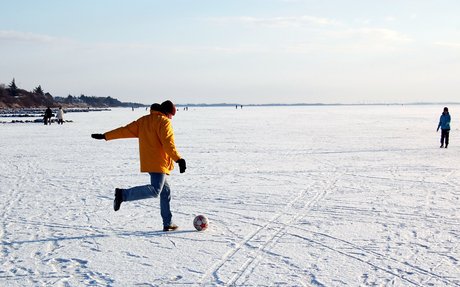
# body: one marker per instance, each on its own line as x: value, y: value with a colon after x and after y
x: 313, y: 104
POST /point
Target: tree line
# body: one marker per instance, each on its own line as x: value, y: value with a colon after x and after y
x: 12, y: 96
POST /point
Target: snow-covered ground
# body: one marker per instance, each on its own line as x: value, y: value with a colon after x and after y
x: 296, y: 196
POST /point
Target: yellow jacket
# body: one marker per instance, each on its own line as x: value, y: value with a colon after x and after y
x: 156, y: 141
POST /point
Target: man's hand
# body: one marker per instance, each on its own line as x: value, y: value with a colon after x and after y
x: 182, y: 165
x: 98, y: 136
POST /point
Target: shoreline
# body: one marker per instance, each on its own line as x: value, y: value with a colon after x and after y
x: 38, y: 112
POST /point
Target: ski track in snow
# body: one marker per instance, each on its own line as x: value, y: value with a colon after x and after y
x: 247, y: 253
x: 351, y: 203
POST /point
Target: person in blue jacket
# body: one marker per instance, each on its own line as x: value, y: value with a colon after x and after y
x: 444, y: 124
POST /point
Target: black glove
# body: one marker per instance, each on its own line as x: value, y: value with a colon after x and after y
x: 182, y: 165
x: 98, y: 136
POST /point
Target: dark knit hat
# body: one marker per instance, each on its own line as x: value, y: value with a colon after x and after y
x: 167, y: 107
x: 155, y: 107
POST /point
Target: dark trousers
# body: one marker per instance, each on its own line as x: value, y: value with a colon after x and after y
x: 444, y: 137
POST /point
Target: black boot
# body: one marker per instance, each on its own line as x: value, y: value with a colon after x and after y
x: 171, y: 227
x: 118, y: 199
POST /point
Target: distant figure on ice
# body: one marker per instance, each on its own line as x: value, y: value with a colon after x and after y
x: 48, y: 115
x: 157, y: 156
x: 444, y: 124
x: 60, y: 116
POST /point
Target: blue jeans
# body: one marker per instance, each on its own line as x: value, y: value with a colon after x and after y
x: 158, y: 186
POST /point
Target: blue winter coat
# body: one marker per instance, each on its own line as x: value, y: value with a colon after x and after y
x: 444, y: 122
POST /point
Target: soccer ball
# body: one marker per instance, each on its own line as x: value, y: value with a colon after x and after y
x: 201, y: 223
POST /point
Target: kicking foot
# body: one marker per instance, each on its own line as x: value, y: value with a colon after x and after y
x: 171, y: 227
x: 118, y: 198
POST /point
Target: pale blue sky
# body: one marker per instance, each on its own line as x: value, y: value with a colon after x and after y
x: 235, y: 51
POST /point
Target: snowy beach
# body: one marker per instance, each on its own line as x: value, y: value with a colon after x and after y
x: 296, y: 196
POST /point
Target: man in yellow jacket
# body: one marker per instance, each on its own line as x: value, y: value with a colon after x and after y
x: 157, y: 156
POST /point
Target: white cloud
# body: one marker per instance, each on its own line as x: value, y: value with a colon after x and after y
x: 355, y: 41
x: 278, y: 22
x: 26, y: 37
x: 372, y: 40
x: 374, y: 35
x: 362, y: 21
x: 448, y: 45
x: 390, y: 19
